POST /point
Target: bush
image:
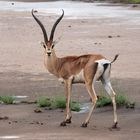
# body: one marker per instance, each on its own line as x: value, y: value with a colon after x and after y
x: 44, y: 102
x: 7, y: 99
x: 58, y: 102
x: 75, y: 106
x: 121, y: 100
x: 103, y: 101
x: 133, y: 1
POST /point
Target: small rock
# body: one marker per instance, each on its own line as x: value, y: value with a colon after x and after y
x: 130, y: 105
x: 12, y: 3
x: 109, y: 36
x: 41, y: 123
x: 61, y: 110
x: 135, y: 5
x: 15, y: 121
x: 4, y: 118
x: 48, y: 108
x: 37, y: 110
x: 37, y: 122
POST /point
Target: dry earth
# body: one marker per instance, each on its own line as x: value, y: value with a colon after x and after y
x: 22, y: 73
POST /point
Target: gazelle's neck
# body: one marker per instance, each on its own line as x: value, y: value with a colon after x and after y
x: 51, y: 62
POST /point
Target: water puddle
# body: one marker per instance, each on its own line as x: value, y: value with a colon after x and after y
x: 20, y: 97
x: 74, y: 10
x: 84, y: 108
x: 9, y: 137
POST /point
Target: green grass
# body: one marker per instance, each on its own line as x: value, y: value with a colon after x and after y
x: 57, y: 102
x: 75, y: 106
x: 121, y: 100
x: 133, y: 1
x: 103, y: 101
x: 7, y: 99
x: 44, y: 102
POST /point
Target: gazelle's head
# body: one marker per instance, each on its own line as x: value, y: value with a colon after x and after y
x: 48, y: 44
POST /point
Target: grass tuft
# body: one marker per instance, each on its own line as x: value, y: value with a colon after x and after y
x: 57, y: 102
x: 121, y: 100
x: 7, y: 99
x: 103, y: 101
x: 75, y: 106
x: 44, y: 102
x: 134, y: 1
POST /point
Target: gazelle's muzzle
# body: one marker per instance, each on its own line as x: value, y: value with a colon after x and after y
x: 48, y: 52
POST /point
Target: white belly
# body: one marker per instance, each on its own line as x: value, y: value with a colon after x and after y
x: 79, y: 78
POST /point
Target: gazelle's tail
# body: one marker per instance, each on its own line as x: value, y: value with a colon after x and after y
x: 116, y: 56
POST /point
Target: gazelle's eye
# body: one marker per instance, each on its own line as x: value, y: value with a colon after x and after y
x: 52, y: 45
x: 44, y: 46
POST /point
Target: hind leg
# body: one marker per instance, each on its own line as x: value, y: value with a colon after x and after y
x: 108, y: 87
x: 93, y: 97
x: 112, y: 94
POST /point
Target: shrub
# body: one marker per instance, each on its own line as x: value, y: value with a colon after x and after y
x: 133, y: 1
x: 121, y: 100
x: 75, y: 106
x: 103, y: 101
x: 57, y: 102
x: 7, y: 99
x: 44, y: 102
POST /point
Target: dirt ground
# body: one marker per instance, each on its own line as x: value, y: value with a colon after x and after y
x: 22, y: 73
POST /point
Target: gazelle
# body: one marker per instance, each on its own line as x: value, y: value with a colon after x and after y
x: 85, y: 69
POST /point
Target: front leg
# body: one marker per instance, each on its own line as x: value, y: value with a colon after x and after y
x: 68, y: 86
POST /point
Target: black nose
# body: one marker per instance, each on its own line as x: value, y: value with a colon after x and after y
x: 49, y: 53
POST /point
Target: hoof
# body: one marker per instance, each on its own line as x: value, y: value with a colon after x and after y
x: 115, y: 125
x: 63, y: 124
x: 68, y: 121
x: 84, y: 125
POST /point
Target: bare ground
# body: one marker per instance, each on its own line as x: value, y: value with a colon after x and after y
x: 22, y: 73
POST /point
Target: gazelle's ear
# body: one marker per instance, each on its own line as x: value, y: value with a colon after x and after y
x: 56, y: 41
x: 43, y: 44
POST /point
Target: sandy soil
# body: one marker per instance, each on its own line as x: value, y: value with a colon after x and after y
x: 22, y: 73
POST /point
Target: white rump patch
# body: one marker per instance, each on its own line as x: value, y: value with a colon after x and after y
x: 100, y: 67
x: 103, y: 61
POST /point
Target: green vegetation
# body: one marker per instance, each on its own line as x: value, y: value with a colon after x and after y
x: 44, y: 102
x: 75, y: 106
x: 7, y: 99
x: 133, y: 1
x: 121, y: 100
x: 57, y: 102
x: 103, y: 101
x: 60, y: 102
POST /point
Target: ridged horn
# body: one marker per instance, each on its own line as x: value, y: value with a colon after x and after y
x: 42, y: 27
x: 54, y: 26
